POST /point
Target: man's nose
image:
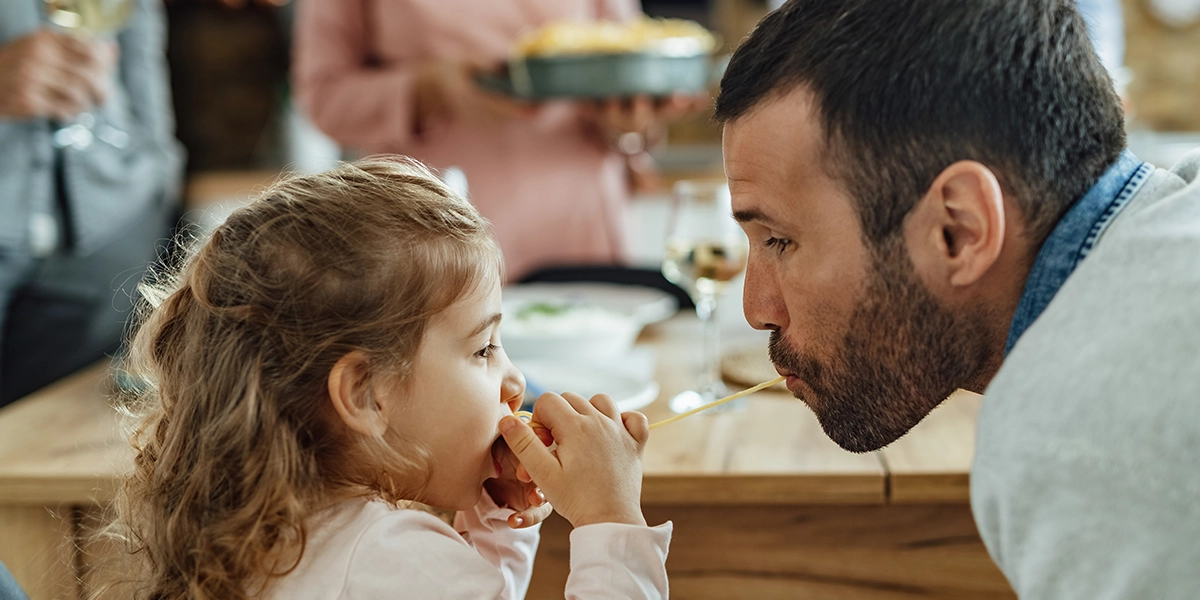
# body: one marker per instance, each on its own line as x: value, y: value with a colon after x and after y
x: 762, y: 299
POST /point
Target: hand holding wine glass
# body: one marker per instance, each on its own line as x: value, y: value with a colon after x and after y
x: 706, y: 249
x: 48, y: 74
x: 90, y: 22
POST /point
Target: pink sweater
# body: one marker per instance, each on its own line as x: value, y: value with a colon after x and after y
x: 366, y: 550
x: 553, y: 192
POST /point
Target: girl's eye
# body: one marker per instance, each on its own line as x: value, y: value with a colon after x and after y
x: 487, y: 351
x: 779, y: 244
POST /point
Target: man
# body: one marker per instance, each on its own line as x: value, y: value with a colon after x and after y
x: 937, y: 196
x: 88, y: 177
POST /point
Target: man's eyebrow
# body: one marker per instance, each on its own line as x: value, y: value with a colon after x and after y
x: 753, y: 214
x: 488, y: 322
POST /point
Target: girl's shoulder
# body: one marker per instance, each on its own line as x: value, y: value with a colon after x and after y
x: 365, y: 549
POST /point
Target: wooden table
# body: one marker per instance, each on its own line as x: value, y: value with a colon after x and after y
x: 764, y: 505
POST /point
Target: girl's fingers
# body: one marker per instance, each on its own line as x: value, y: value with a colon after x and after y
x: 523, y: 475
x: 543, y: 434
x: 637, y: 425
x: 607, y: 406
x: 530, y: 516
x: 579, y: 403
x: 530, y: 451
x: 536, y: 497
x: 549, y: 411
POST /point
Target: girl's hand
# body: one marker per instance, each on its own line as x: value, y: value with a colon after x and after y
x: 516, y: 492
x: 595, y: 473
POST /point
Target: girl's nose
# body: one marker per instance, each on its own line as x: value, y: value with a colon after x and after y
x: 512, y: 389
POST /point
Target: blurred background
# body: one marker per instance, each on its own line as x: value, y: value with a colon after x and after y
x: 581, y: 186
x: 237, y: 118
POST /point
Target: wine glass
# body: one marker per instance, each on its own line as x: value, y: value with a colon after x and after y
x: 706, y: 249
x: 88, y: 19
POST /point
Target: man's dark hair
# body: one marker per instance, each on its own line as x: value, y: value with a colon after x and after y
x: 904, y: 88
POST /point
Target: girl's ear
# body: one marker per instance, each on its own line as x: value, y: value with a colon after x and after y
x: 352, y: 397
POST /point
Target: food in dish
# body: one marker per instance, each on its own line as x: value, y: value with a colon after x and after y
x: 566, y: 38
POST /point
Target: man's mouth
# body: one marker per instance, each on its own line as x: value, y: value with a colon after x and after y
x: 786, y: 362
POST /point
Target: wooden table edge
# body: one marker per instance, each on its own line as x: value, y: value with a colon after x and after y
x: 49, y: 491
x: 767, y: 489
x: 931, y: 488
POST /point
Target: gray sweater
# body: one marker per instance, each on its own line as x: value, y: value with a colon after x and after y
x: 1086, y: 482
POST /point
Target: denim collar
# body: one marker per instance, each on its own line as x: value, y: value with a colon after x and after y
x: 1074, y: 237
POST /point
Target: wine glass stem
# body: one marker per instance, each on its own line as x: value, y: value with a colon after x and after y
x: 706, y: 309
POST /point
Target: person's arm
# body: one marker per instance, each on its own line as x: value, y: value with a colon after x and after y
x: 612, y: 560
x: 620, y: 10
x: 594, y: 479
x: 384, y: 107
x: 351, y: 100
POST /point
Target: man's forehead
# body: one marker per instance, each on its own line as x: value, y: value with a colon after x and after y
x: 778, y: 144
x: 782, y: 127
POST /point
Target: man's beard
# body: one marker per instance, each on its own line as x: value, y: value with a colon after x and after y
x: 901, y: 356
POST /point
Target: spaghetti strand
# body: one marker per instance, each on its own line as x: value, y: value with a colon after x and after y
x: 746, y: 392
x: 528, y: 416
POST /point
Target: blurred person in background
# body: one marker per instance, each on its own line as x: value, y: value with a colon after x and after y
x: 89, y: 173
x: 398, y: 77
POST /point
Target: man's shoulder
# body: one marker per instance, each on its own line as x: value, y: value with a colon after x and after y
x: 1108, y: 372
x: 1084, y: 464
x: 1119, y: 345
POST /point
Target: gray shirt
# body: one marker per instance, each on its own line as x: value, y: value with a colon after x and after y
x: 107, y: 187
x: 1086, y: 482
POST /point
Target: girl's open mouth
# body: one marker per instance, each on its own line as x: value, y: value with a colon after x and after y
x: 499, y: 449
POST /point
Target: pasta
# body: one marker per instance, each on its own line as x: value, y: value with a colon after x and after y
x: 745, y: 392
x: 528, y: 416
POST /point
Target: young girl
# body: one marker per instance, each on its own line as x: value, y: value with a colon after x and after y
x: 330, y: 356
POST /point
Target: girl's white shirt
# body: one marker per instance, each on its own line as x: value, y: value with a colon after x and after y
x: 366, y: 549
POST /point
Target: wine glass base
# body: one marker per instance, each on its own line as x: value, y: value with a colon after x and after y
x: 693, y: 399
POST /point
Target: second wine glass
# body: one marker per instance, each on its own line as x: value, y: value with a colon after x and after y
x: 706, y: 249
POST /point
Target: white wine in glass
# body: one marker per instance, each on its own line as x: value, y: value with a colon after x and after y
x: 704, y: 266
x: 89, y: 17
x: 706, y: 249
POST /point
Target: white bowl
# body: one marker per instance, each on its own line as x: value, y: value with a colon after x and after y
x: 565, y: 331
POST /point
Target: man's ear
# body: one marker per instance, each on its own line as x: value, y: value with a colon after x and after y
x: 958, y: 229
x: 352, y: 397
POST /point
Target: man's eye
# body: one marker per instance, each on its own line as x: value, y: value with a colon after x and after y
x: 780, y: 244
x: 487, y: 351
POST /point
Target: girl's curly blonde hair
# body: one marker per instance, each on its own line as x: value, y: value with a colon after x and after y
x: 236, y: 441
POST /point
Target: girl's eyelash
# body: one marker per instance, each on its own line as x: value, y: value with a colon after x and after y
x: 781, y: 243
x: 487, y: 351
